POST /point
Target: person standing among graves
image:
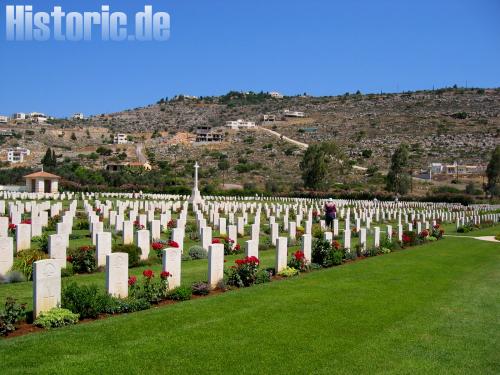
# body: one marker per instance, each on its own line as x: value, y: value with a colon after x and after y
x: 330, y: 213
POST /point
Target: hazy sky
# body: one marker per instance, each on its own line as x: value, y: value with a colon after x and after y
x: 321, y: 47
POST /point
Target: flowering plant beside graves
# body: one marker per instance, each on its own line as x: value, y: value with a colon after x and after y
x: 150, y: 288
x: 137, y: 225
x: 299, y: 261
x: 12, y: 228
x: 83, y: 259
x: 171, y: 224
x: 244, y: 273
x: 158, y: 247
x: 437, y: 232
x: 173, y: 244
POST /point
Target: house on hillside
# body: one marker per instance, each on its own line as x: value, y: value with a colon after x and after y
x: 38, y: 117
x: 78, y: 116
x: 276, y: 95
x: 120, y: 139
x: 240, y: 124
x: 3, y: 119
x: 19, y: 116
x: 289, y: 113
x: 268, y: 118
x: 17, y: 154
x: 206, y: 134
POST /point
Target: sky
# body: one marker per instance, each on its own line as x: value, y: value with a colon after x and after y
x: 321, y: 47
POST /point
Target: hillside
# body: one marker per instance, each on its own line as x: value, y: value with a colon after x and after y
x: 444, y: 125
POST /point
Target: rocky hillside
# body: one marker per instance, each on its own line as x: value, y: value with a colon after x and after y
x: 442, y: 125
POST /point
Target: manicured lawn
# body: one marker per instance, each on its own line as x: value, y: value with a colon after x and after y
x: 430, y: 310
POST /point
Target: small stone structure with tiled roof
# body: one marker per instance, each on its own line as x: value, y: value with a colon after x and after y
x: 42, y: 182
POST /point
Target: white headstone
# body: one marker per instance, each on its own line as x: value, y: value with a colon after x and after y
x: 46, y: 285
x: 103, y: 247
x: 281, y: 253
x: 172, y: 264
x: 6, y: 254
x: 117, y: 274
x: 215, y: 264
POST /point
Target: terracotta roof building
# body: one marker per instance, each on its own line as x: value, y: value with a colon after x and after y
x: 42, y: 182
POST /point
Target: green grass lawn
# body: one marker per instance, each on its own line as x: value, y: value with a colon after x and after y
x: 434, y: 309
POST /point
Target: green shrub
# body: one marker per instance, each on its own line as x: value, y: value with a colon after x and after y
x: 85, y: 300
x: 56, y: 317
x: 320, y: 251
x: 10, y: 316
x: 126, y: 305
x: 134, y: 253
x: 288, y: 272
x: 334, y: 258
x: 83, y: 259
x: 200, y: 288
x: 24, y: 260
x: 52, y: 223
x: 182, y: 293
x: 82, y: 225
x: 262, y: 276
x: 197, y: 252
x: 42, y: 242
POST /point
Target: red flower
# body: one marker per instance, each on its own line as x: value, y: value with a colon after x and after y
x: 165, y: 275
x: 299, y: 255
x: 12, y: 226
x: 170, y: 224
x: 27, y: 221
x: 157, y: 246
x: 247, y: 260
x: 216, y: 240
x: 336, y: 244
x: 237, y: 247
x: 132, y: 280
x: 173, y: 244
x: 424, y: 233
x: 148, y: 273
x: 253, y: 259
x: 406, y: 238
x: 98, y: 211
x: 69, y: 259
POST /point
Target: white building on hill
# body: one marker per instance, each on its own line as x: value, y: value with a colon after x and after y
x: 17, y: 154
x: 240, y: 124
x: 38, y: 117
x: 289, y: 113
x: 276, y: 95
x: 3, y: 119
x: 19, y: 116
x: 78, y: 116
x: 120, y: 139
